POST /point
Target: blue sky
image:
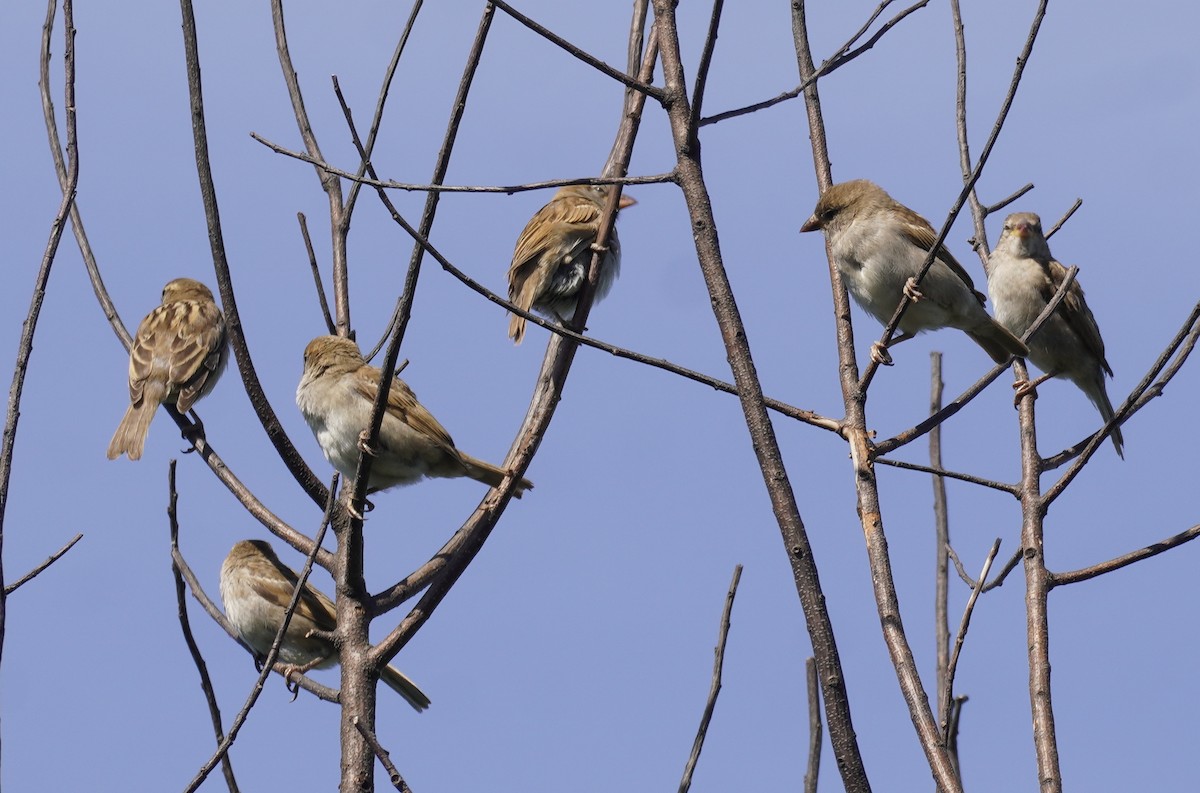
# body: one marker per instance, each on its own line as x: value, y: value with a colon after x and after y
x: 576, y: 650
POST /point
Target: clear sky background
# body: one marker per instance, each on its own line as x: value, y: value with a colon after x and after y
x: 576, y: 651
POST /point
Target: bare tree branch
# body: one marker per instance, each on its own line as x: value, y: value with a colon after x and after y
x: 946, y: 695
x: 941, y: 532
x: 385, y: 759
x: 210, y: 695
x: 715, y: 689
x: 1088, y: 573
x: 640, y: 85
x: 813, y: 768
x: 1066, y: 216
x: 57, y: 226
x: 316, y: 272
x: 32, y: 574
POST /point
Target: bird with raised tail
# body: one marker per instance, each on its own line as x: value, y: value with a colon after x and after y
x: 1022, y: 278
x: 256, y: 589
x: 336, y: 394
x: 550, y: 262
x: 178, y: 354
x: 879, y: 245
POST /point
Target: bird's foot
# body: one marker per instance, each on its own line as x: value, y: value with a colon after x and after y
x: 1022, y: 389
x: 598, y: 248
x: 880, y: 355
x: 193, y: 433
x: 365, y: 447
x: 911, y: 291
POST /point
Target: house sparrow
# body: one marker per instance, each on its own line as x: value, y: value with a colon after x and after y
x: 879, y: 245
x: 177, y: 356
x: 256, y: 589
x: 1022, y: 278
x: 553, y: 252
x: 335, y: 395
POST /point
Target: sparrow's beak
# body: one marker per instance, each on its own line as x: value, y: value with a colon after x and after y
x: 812, y: 224
x: 1021, y: 230
x: 626, y: 201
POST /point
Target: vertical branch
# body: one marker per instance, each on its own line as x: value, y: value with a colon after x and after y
x: 978, y: 215
x: 812, y: 771
x: 714, y: 689
x: 233, y: 323
x: 403, y: 311
x: 856, y: 432
x: 185, y: 624
x: 1037, y: 589
x: 941, y: 522
x: 329, y: 183
x: 758, y: 423
x: 57, y: 226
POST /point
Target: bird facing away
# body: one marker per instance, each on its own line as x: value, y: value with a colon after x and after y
x: 256, y: 589
x: 878, y: 246
x: 178, y: 354
x: 336, y: 393
x: 1022, y: 278
x: 553, y: 252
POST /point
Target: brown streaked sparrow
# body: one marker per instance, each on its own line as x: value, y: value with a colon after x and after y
x: 335, y: 395
x: 878, y: 245
x: 256, y: 589
x: 1022, y: 278
x: 553, y: 252
x: 178, y: 354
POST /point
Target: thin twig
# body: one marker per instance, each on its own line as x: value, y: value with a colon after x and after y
x: 417, y: 187
x: 941, y: 532
x: 929, y: 469
x: 329, y: 183
x: 946, y: 695
x: 643, y: 86
x: 384, y: 758
x: 1009, y: 566
x: 1088, y: 573
x: 813, y: 768
x: 715, y: 688
x: 377, y: 119
x: 1066, y: 216
x: 32, y: 574
x: 840, y: 58
x: 1147, y: 390
x: 38, y: 294
x: 706, y: 54
x: 316, y: 272
x: 210, y: 695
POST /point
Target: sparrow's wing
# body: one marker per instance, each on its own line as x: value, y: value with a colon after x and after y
x: 918, y: 230
x: 561, y: 228
x: 1074, y: 309
x: 314, y: 605
x: 196, y: 356
x: 402, y: 403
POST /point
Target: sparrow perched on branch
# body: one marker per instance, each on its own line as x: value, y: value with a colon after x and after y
x: 879, y: 245
x: 1022, y: 278
x: 178, y: 353
x: 336, y: 393
x: 256, y: 589
x: 553, y: 252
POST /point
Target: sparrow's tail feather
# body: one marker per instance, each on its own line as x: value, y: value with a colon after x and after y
x: 491, y: 475
x: 130, y: 436
x: 397, y: 681
x: 516, y: 328
x: 1099, y: 397
x: 997, y: 342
